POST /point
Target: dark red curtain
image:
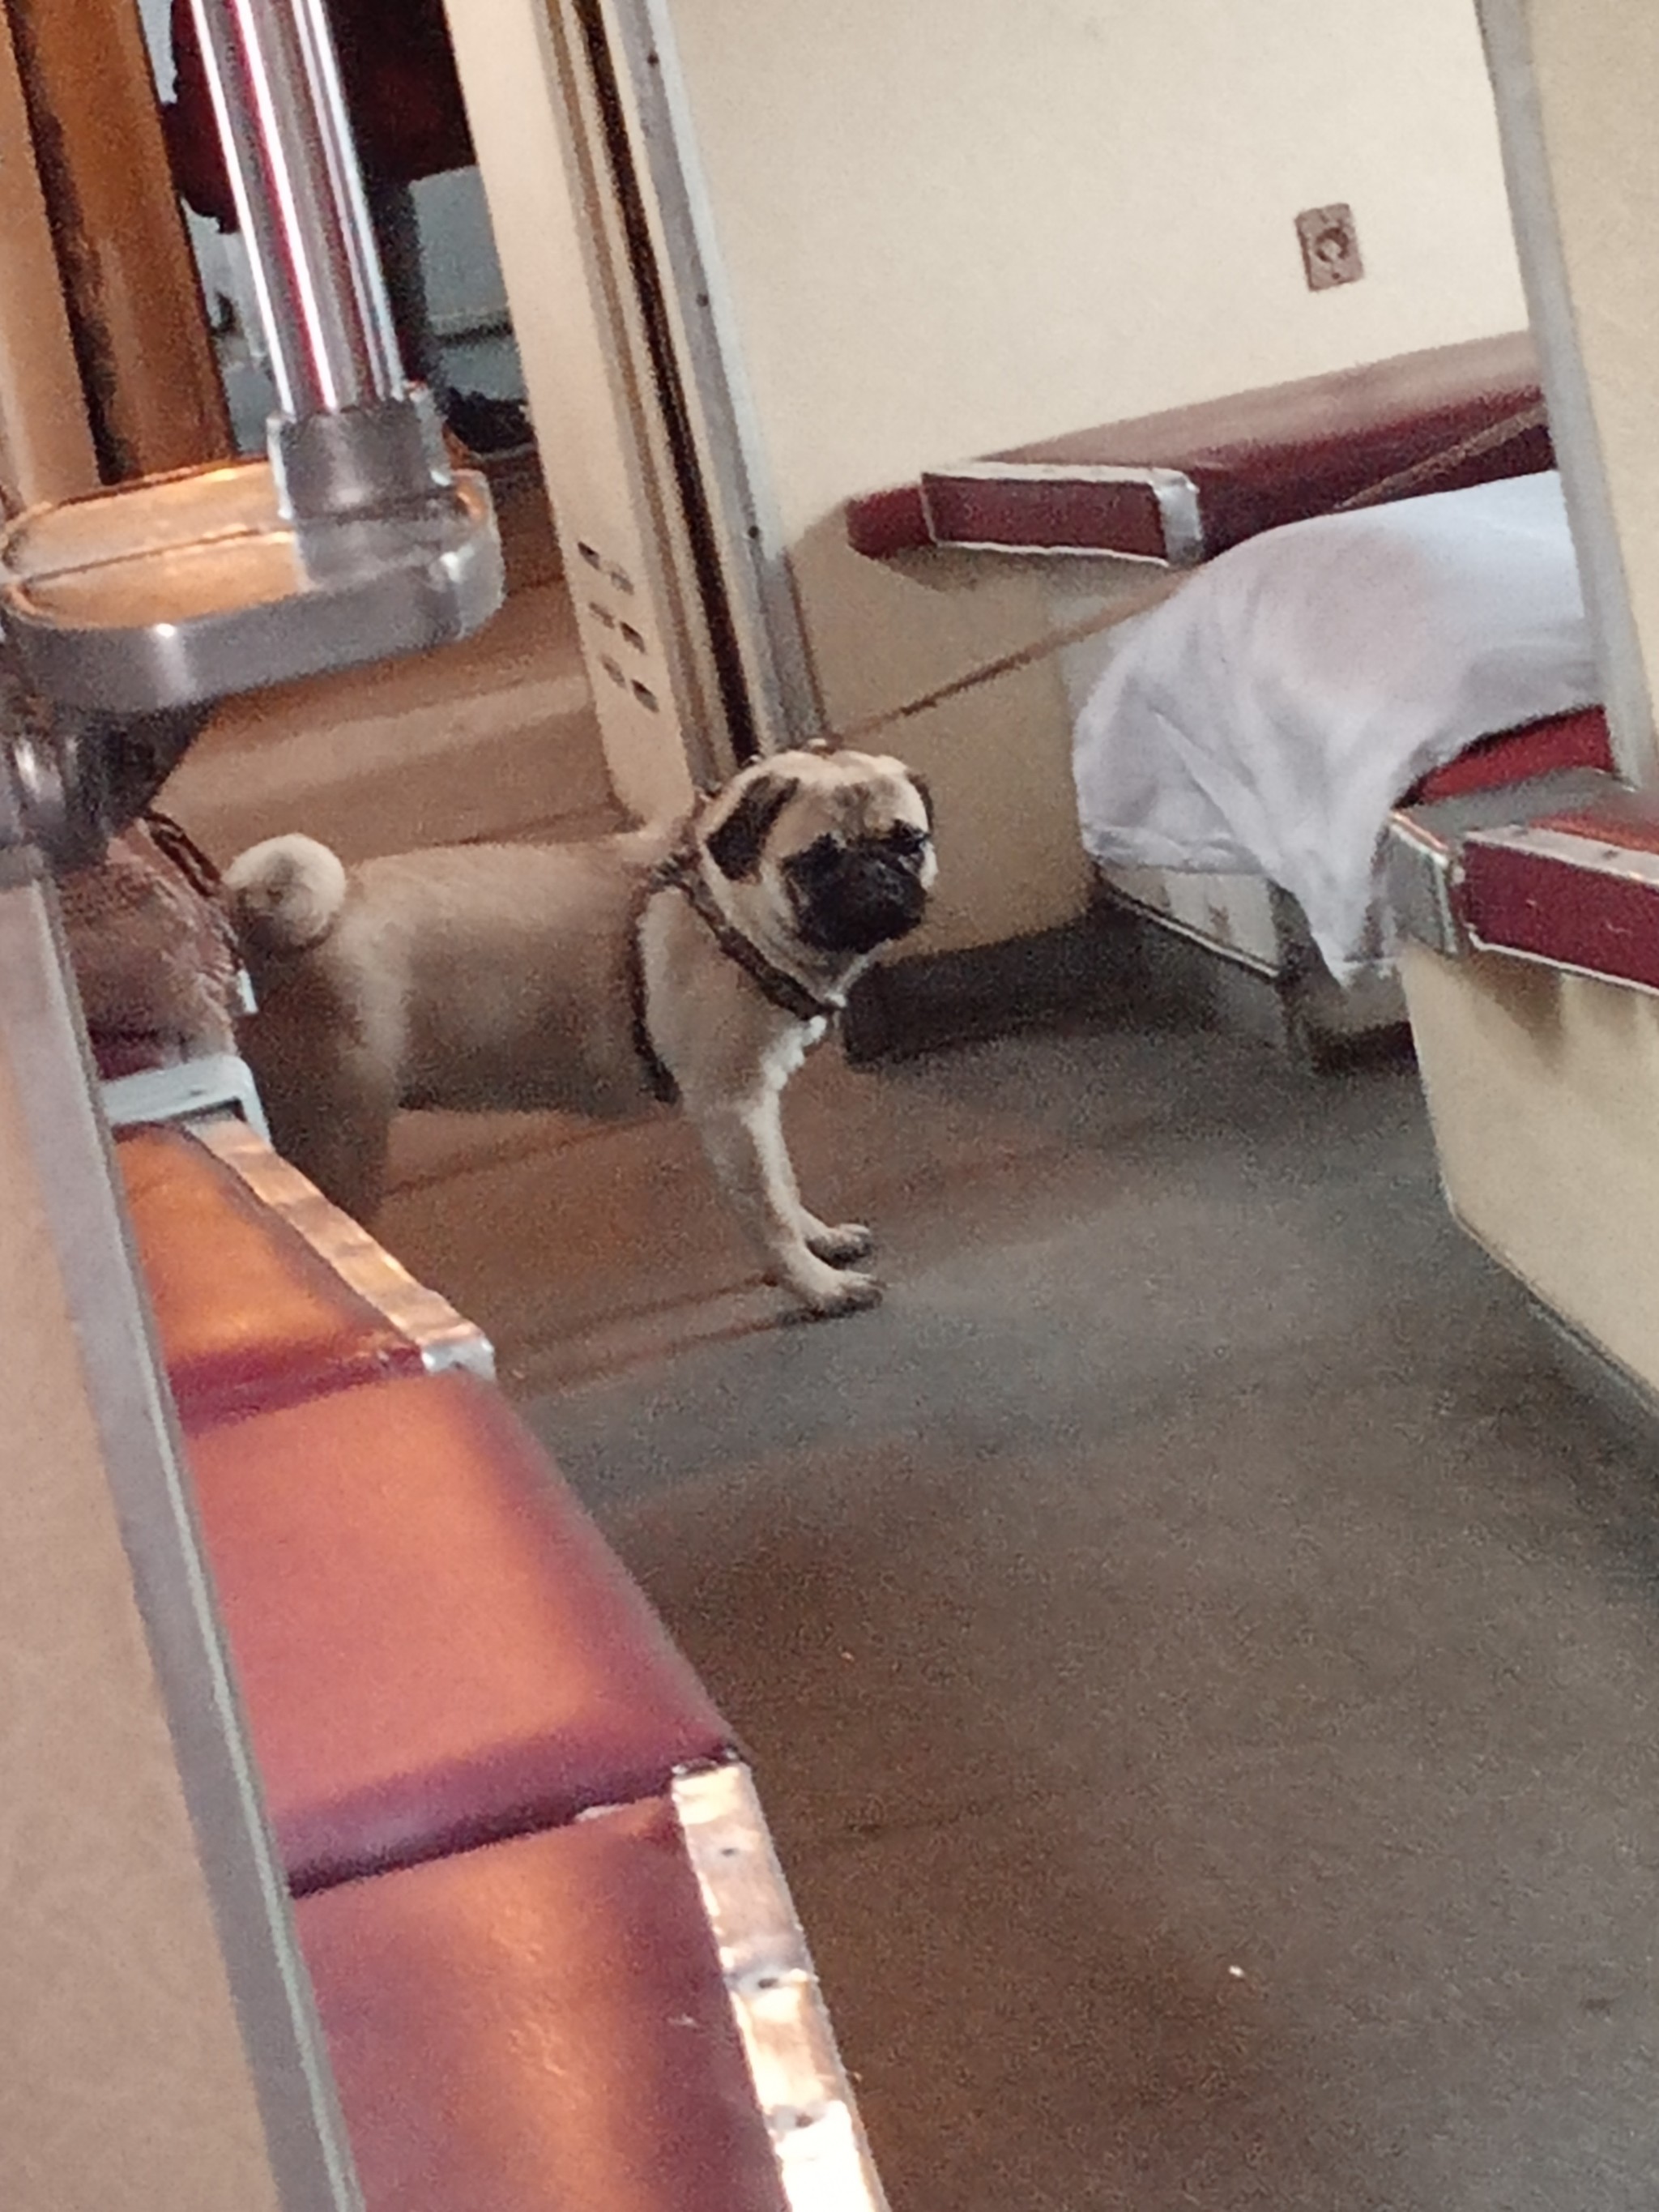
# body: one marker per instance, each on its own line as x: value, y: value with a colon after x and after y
x: 401, y: 89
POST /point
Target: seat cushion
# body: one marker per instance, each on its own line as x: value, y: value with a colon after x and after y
x: 249, y: 1316
x: 540, y: 2026
x: 1578, y: 889
x: 435, y: 1646
x: 1578, y: 739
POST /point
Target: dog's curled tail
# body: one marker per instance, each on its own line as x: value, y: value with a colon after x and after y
x: 285, y: 894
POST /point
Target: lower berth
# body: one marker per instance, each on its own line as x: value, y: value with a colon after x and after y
x: 1531, y: 970
x: 556, y: 1960
x: 1363, y: 573
x: 1237, y: 749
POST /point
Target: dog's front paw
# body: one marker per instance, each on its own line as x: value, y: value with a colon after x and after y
x: 841, y: 1246
x: 824, y: 1291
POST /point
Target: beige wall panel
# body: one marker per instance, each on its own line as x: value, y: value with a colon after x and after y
x: 887, y: 634
x: 550, y: 227
x: 1595, y: 67
x: 1544, y: 1093
x: 124, y: 2087
x: 997, y: 760
x: 956, y: 225
x: 953, y: 225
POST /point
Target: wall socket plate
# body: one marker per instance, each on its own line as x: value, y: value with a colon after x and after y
x: 1330, y: 246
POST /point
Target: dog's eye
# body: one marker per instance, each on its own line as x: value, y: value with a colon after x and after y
x: 905, y: 837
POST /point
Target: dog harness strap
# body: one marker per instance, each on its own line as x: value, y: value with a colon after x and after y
x: 182, y: 849
x: 681, y: 871
x: 658, y: 1075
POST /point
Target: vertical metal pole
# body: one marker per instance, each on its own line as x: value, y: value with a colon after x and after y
x: 276, y: 95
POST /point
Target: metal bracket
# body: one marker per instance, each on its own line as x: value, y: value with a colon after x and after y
x: 183, y: 589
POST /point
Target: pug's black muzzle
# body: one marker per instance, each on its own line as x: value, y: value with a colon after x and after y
x: 851, y: 899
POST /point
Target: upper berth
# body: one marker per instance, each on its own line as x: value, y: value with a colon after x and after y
x: 1180, y: 486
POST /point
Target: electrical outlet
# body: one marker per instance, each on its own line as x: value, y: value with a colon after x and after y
x: 1330, y: 246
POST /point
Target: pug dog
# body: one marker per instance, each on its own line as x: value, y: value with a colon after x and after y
x: 696, y: 962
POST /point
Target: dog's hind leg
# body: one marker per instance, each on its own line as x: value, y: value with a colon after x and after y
x: 334, y: 1125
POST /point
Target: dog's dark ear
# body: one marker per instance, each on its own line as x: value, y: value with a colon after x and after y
x: 736, y: 846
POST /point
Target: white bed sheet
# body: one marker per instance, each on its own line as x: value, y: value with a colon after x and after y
x: 1268, y: 715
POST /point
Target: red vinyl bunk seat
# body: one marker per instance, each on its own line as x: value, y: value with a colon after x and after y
x: 1530, y: 845
x: 541, y: 2026
x: 435, y: 1646
x: 489, y: 1771
x: 248, y: 1316
x: 1541, y: 748
x: 1186, y: 483
x: 1577, y: 889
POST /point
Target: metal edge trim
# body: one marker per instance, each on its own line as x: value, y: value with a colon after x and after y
x: 1053, y: 472
x: 446, y: 1337
x: 1571, y: 849
x: 1420, y: 873
x: 1235, y: 954
x: 188, y: 1090
x: 824, y: 2158
x: 1556, y: 967
x: 1182, y: 518
x: 1015, y: 549
x: 733, y: 442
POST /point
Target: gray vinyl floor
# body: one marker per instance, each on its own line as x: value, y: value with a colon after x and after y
x: 1199, y: 1650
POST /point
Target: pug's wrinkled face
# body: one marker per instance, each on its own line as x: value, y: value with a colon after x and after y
x: 837, y: 848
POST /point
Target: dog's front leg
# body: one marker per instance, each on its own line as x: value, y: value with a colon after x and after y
x: 744, y: 1142
x: 840, y: 1243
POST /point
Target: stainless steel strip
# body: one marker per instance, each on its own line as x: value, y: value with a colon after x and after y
x: 1573, y: 848
x: 446, y: 1339
x: 1554, y: 967
x: 823, y: 2159
x: 216, y: 1083
x: 753, y: 545
x: 1183, y: 517
x: 1418, y: 868
x: 1237, y: 956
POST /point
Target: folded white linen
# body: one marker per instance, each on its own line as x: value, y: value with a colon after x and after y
x: 1269, y: 713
